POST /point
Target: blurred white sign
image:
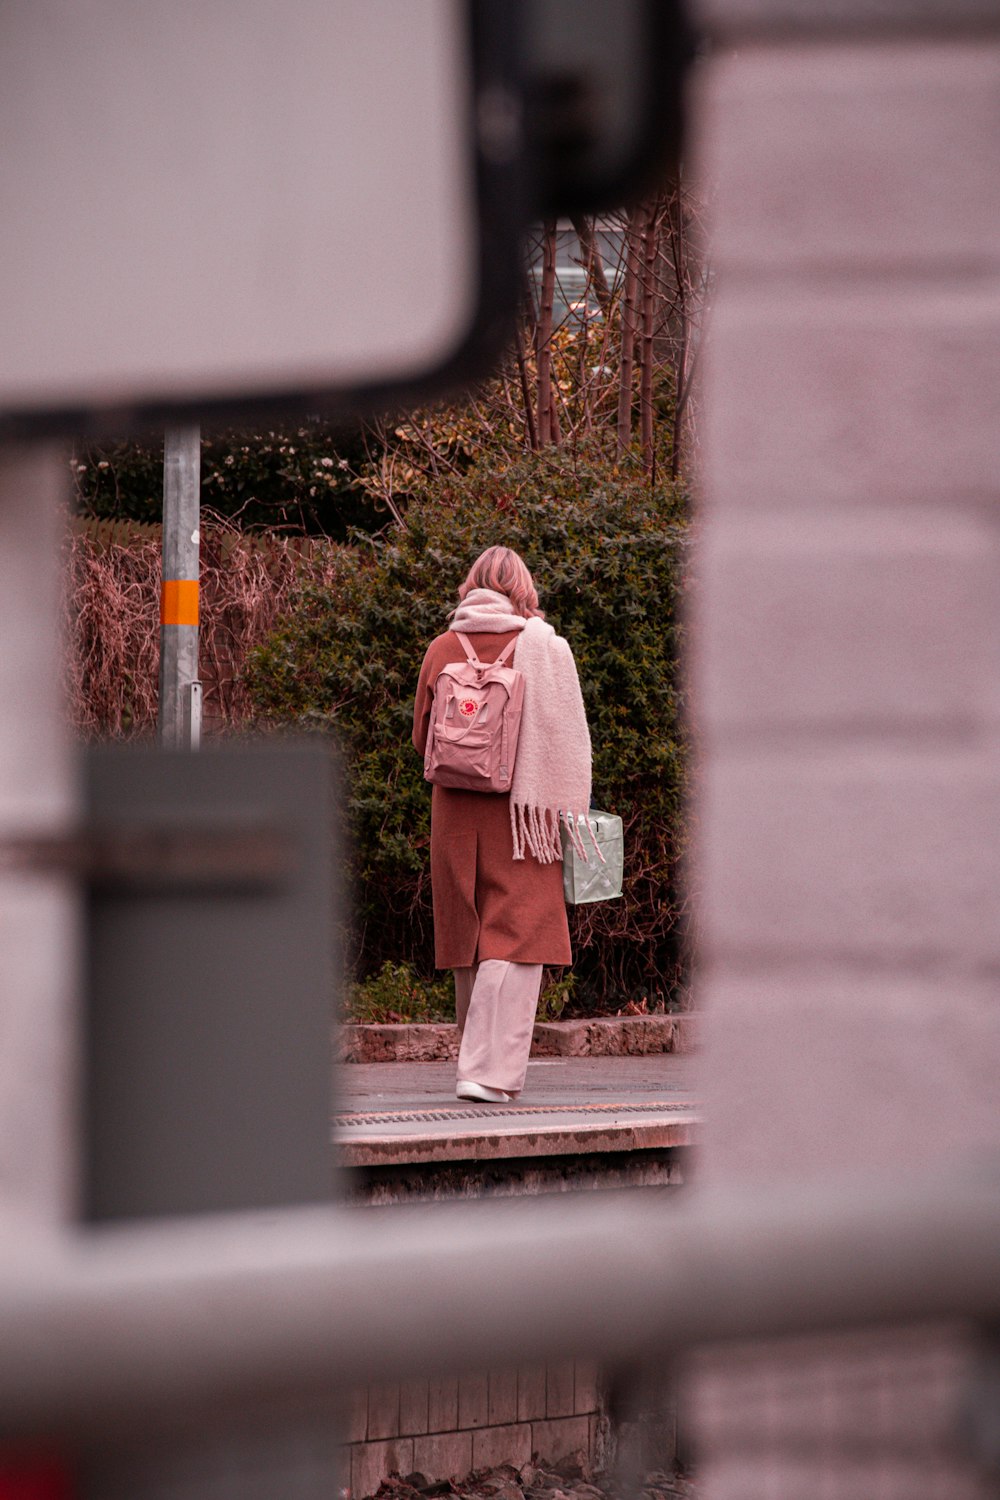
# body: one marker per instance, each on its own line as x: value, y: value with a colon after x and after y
x: 231, y: 198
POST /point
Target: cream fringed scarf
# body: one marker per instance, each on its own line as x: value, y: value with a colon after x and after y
x: 552, y: 770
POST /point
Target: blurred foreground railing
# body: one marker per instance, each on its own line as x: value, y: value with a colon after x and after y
x: 208, y: 1319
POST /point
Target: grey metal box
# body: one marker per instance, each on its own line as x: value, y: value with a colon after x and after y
x: 211, y: 981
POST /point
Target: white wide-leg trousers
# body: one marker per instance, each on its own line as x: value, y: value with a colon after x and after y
x: 495, y: 1002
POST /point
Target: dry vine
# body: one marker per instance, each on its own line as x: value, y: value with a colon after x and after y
x: 111, y: 621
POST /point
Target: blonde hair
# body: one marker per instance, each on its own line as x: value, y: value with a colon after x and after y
x: 503, y: 571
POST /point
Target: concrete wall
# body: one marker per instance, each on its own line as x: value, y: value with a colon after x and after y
x: 445, y: 1428
x: 847, y: 672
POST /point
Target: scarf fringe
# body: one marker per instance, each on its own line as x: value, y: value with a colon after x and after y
x: 536, y: 830
x: 573, y: 827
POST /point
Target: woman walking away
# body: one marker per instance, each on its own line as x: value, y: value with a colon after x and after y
x: 496, y: 857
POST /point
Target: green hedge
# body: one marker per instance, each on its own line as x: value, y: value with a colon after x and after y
x: 607, y: 550
x: 297, y: 479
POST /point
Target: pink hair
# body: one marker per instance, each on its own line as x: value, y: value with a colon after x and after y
x: 500, y: 569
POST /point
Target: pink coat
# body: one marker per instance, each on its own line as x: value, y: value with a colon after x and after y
x: 486, y: 903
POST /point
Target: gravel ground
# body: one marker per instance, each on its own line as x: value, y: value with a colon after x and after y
x: 570, y: 1480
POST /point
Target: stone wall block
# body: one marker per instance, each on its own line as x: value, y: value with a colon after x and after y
x: 857, y: 623
x: 840, y: 1472
x: 443, y: 1455
x: 586, y: 1386
x: 492, y: 1446
x: 871, y: 1412
x: 355, y: 1417
x: 846, y: 852
x: 559, y: 1439
x: 869, y: 1056
x: 502, y: 1397
x: 894, y: 1388
x: 560, y: 1393
x: 442, y: 1404
x: 383, y: 1410
x: 530, y: 1392
x: 877, y: 20
x: 413, y: 1407
x: 474, y: 1401
x: 836, y: 394
x: 687, y: 1032
x: 373, y: 1462
x: 812, y: 153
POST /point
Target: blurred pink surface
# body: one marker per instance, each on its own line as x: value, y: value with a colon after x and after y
x: 845, y: 672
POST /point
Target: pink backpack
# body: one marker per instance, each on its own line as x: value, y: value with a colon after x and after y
x: 475, y: 721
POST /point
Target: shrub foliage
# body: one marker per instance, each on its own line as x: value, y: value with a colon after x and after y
x: 607, y: 548
x: 297, y: 479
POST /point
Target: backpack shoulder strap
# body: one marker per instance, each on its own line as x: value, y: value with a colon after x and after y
x: 507, y: 652
x: 466, y: 646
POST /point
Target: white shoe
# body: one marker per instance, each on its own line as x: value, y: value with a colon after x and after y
x: 481, y: 1093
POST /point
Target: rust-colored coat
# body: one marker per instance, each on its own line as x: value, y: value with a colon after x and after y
x: 486, y: 903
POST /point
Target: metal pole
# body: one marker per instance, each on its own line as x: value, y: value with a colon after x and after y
x: 179, y: 722
x: 298, y: 1456
x: 39, y: 914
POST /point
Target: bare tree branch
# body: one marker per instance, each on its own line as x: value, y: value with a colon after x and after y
x: 649, y: 247
x: 628, y: 329
x: 529, y: 414
x: 543, y: 338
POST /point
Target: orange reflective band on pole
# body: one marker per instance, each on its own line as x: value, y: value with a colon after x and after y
x: 179, y: 601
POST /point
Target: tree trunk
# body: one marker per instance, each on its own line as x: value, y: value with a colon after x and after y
x: 628, y: 326
x: 649, y: 247
x: 590, y: 259
x: 681, y: 382
x: 546, y: 411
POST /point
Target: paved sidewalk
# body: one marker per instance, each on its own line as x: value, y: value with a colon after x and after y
x: 396, y: 1113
